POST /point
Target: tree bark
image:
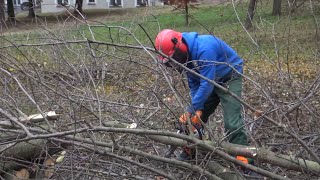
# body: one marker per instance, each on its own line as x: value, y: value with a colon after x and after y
x: 23, y: 150
x: 32, y: 148
x: 276, y: 10
x: 10, y: 7
x: 261, y: 154
x: 187, y: 11
x: 12, y: 154
x: 2, y: 13
x: 250, y: 13
x: 31, y: 9
x: 223, y: 172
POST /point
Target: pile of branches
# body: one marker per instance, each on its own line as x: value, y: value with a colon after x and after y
x: 77, y: 107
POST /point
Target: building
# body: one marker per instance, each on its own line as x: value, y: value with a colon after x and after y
x: 54, y: 6
x: 17, y: 3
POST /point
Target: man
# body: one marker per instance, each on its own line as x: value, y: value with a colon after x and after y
x: 214, y: 59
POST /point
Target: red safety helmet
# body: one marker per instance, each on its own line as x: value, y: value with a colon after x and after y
x: 167, y: 41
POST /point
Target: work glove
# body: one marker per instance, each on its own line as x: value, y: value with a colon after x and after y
x: 195, y: 119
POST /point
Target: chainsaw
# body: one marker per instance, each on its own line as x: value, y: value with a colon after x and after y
x: 198, y: 132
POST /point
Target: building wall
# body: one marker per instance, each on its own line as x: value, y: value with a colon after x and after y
x: 51, y: 6
x: 155, y: 3
x: 99, y: 4
x: 129, y: 3
x: 17, y: 3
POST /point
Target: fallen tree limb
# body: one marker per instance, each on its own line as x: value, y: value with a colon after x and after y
x: 172, y: 138
x: 134, y: 151
x: 263, y: 155
x: 256, y: 153
x: 172, y: 161
x: 26, y: 150
x: 22, y: 150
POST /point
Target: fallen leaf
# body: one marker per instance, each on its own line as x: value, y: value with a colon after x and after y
x: 48, y: 162
x: 22, y: 174
x: 159, y: 178
x: 257, y: 114
x: 49, y: 168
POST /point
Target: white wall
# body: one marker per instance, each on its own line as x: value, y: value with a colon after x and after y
x: 99, y: 4
x: 129, y: 3
x: 51, y: 6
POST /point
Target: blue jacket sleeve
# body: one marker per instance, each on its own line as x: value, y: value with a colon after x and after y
x: 194, y: 84
x: 207, y: 69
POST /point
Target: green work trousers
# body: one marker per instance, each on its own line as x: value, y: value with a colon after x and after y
x: 233, y: 122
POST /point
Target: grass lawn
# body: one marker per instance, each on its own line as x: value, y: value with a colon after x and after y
x: 273, y: 42
x: 273, y: 39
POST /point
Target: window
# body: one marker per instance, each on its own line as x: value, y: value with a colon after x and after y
x: 142, y: 2
x: 16, y: 2
x: 115, y: 3
x: 91, y: 1
x: 63, y: 2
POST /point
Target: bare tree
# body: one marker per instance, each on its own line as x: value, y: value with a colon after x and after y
x: 186, y: 8
x: 10, y: 8
x: 276, y: 10
x: 2, y: 12
x: 78, y: 6
x: 31, y: 8
x: 250, y: 13
x: 182, y: 4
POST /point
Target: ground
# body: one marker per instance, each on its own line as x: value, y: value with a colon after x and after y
x: 59, y: 65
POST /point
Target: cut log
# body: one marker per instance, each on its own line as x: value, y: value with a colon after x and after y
x: 13, y: 155
x: 20, y: 151
x: 261, y: 154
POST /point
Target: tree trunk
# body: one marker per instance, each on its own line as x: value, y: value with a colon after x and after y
x: 251, y: 8
x: 276, y: 10
x: 31, y: 9
x: 2, y: 10
x: 10, y: 9
x: 2, y: 13
x: 78, y: 6
x: 187, y: 11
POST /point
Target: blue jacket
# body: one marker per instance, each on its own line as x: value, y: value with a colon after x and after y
x: 205, y: 51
